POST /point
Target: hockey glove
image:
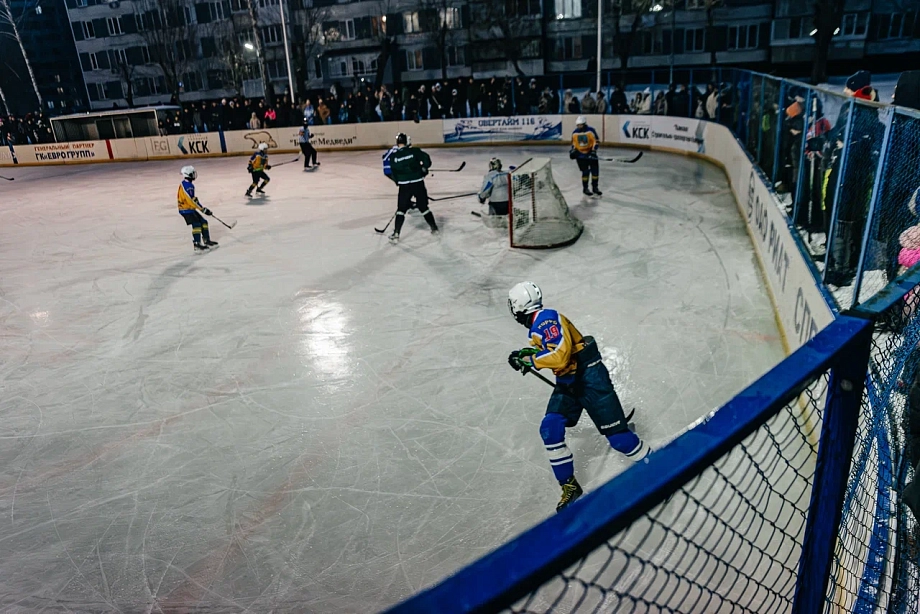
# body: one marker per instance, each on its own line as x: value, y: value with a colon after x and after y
x: 249, y: 168
x: 268, y: 167
x: 573, y: 154
x: 206, y: 211
x: 522, y: 360
x: 482, y: 200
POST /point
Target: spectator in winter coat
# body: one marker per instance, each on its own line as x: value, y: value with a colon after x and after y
x: 601, y: 103
x: 271, y: 118
x: 712, y: 103
x: 473, y: 98
x: 422, y: 98
x: 322, y: 111
x: 661, y: 106
x: 618, y: 104
x: 254, y: 123
x: 533, y: 97
x: 309, y: 113
x: 567, y: 101
x: 645, y: 106
x: 588, y: 104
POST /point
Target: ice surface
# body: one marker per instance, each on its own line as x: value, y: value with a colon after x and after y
x: 309, y: 418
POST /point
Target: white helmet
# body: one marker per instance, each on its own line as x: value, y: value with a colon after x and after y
x: 189, y: 172
x: 263, y: 146
x: 524, y: 299
x: 581, y: 120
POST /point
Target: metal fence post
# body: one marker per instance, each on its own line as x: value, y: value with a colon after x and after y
x: 798, y: 184
x: 873, y: 205
x: 841, y: 170
x: 763, y: 84
x: 690, y: 92
x: 780, y: 120
x: 561, y: 94
x: 838, y: 434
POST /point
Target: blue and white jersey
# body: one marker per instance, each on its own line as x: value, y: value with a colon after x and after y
x: 305, y: 136
x: 494, y: 187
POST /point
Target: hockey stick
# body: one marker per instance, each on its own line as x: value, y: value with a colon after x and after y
x: 454, y: 196
x: 444, y: 170
x: 384, y: 229
x: 8, y: 178
x: 288, y: 162
x: 223, y: 222
x: 624, y: 160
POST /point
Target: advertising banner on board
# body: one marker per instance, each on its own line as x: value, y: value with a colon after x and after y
x: 324, y: 137
x: 497, y: 129
x: 203, y: 144
x: 680, y: 133
x: 60, y: 153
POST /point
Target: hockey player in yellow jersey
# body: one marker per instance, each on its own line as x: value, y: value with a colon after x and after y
x: 191, y: 209
x: 584, y: 151
x: 582, y: 383
x: 258, y: 164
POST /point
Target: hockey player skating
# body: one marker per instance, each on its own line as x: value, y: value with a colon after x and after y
x: 408, y: 168
x: 495, y: 188
x: 582, y: 382
x: 258, y: 164
x: 306, y: 147
x: 584, y: 151
x: 191, y: 209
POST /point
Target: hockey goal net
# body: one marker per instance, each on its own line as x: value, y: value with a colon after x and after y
x: 538, y: 216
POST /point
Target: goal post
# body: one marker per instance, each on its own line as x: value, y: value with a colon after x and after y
x: 538, y: 216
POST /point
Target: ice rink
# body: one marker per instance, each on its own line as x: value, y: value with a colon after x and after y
x: 310, y: 419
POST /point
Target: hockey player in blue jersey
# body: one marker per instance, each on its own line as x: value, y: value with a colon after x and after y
x: 582, y: 382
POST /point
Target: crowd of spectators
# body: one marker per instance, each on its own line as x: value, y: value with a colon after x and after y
x: 463, y: 97
x: 31, y: 129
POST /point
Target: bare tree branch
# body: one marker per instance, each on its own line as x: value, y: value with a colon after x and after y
x: 6, y: 16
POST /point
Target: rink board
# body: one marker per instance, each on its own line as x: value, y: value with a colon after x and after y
x: 801, y: 308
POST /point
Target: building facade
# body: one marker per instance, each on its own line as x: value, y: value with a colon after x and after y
x: 134, y: 52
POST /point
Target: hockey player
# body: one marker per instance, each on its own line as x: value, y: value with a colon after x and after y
x: 495, y: 188
x: 584, y: 151
x: 191, y: 209
x: 408, y: 168
x: 306, y: 147
x: 258, y: 164
x: 582, y: 382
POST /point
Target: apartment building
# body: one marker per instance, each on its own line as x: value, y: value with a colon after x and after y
x: 217, y: 44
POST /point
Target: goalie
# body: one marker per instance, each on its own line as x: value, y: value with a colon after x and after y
x: 495, y: 188
x: 582, y: 383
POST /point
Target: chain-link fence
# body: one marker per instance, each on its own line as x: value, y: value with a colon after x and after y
x: 728, y: 541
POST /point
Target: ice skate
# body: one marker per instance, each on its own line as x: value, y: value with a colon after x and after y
x: 586, y: 192
x: 394, y: 238
x: 571, y: 490
x: 260, y: 191
x: 211, y: 244
x: 201, y: 248
x: 598, y: 192
x: 249, y: 192
x: 435, y: 232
